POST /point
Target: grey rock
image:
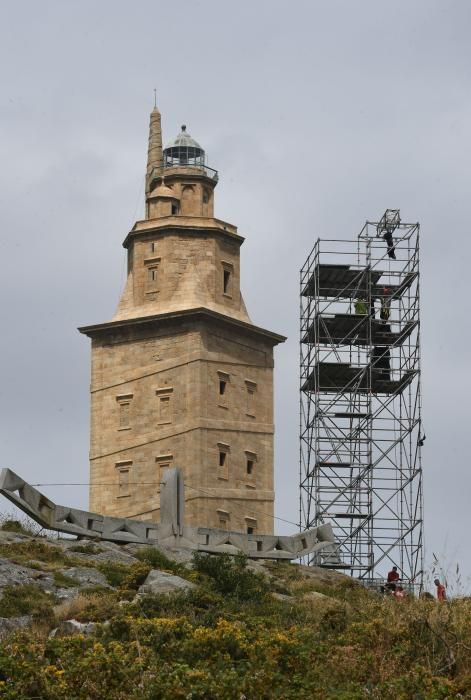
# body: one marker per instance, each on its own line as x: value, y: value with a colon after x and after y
x: 15, y: 575
x: 161, y: 582
x: 106, y: 551
x: 86, y: 576
x: 283, y: 597
x: 63, y: 594
x: 67, y: 628
x: 258, y: 568
x: 7, y: 537
x: 315, y: 596
x: 10, y: 624
x: 326, y: 601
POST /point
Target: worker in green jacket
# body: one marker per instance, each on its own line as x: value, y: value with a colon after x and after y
x: 361, y: 307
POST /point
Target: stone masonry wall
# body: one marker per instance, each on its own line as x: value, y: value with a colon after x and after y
x: 156, y: 402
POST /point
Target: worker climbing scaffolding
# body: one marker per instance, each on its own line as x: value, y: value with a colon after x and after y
x: 388, y: 224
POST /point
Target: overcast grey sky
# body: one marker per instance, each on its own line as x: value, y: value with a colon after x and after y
x: 318, y: 115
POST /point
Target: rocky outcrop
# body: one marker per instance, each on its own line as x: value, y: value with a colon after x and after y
x: 67, y: 628
x: 86, y: 576
x: 12, y: 574
x: 158, y: 582
x: 11, y: 624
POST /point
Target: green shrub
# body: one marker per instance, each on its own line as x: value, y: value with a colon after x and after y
x: 229, y: 575
x: 101, y: 606
x: 115, y: 572
x: 124, y: 576
x: 63, y: 581
x: 135, y: 577
x: 200, y: 604
x: 88, y: 548
x: 26, y: 600
x: 158, y: 560
x: 15, y: 526
x: 22, y: 552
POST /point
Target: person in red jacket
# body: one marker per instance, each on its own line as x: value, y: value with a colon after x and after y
x: 441, y: 591
x: 393, y: 577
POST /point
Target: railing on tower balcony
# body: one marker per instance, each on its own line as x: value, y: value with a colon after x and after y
x: 199, y: 168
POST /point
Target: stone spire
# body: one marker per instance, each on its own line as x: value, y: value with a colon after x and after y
x: 154, y: 153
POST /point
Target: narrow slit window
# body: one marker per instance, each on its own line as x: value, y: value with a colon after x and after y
x: 174, y: 209
x: 226, y: 281
x: 222, y: 459
x: 152, y: 275
x: 223, y: 389
x: 250, y: 466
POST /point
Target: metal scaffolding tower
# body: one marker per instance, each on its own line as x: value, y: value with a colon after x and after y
x: 360, y: 399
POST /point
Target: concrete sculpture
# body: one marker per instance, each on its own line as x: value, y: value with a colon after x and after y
x: 171, y: 531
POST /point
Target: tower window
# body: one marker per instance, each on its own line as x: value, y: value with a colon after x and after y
x: 124, y: 412
x: 124, y: 408
x: 164, y: 408
x: 163, y: 462
x: 227, y: 280
x: 250, y: 462
x: 152, y: 274
x: 251, y: 388
x: 174, y: 209
x: 223, y: 461
x: 224, y: 518
x: 227, y: 276
x: 251, y: 525
x: 164, y: 396
x: 223, y: 381
x: 123, y: 469
x: 205, y: 197
x: 152, y: 247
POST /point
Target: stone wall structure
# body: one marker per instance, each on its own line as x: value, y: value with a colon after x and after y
x: 180, y: 375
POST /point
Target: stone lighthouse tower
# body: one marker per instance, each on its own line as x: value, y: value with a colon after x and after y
x: 180, y: 375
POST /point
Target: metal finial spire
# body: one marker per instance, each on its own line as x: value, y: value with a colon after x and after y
x: 155, y: 98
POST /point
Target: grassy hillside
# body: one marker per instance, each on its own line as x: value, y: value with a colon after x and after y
x: 245, y: 632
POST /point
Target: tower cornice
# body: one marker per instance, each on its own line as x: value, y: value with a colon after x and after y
x: 183, y: 224
x: 103, y: 329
